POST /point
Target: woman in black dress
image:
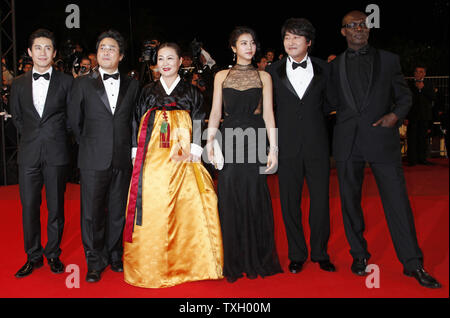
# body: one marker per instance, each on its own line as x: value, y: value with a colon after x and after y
x: 245, y: 207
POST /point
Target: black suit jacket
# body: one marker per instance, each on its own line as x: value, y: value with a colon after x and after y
x: 388, y: 92
x: 105, y: 139
x: 422, y: 102
x: 301, y: 123
x: 42, y: 139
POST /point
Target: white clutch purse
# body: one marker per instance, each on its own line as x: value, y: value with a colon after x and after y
x: 218, y: 160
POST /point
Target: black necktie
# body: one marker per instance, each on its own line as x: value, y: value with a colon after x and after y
x: 113, y: 76
x: 302, y: 64
x: 46, y: 76
x: 362, y: 51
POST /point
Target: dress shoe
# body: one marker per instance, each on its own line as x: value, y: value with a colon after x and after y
x: 93, y: 276
x: 423, y: 278
x: 117, y: 267
x: 426, y: 163
x: 359, y: 266
x: 295, y: 267
x: 28, y: 268
x: 326, y: 266
x: 56, y: 266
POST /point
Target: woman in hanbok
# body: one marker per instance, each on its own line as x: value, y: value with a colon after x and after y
x: 172, y: 233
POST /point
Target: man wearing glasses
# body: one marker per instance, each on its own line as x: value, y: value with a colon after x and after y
x: 371, y: 98
x: 100, y: 113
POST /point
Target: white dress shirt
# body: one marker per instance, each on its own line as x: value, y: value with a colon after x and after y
x: 300, y: 77
x: 40, y: 90
x: 112, y: 87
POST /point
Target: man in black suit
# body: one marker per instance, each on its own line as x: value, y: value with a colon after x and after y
x: 371, y: 97
x: 38, y: 106
x: 420, y: 118
x: 300, y: 89
x: 100, y: 111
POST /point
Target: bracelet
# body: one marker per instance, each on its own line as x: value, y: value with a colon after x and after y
x: 274, y: 149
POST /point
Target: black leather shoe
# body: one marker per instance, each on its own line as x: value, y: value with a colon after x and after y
x: 117, y: 267
x: 359, y: 266
x: 326, y: 266
x: 28, y: 268
x: 56, y: 266
x: 426, y: 163
x: 295, y: 267
x: 424, y: 279
x: 93, y: 276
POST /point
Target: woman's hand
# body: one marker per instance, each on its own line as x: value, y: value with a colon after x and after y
x: 210, y: 150
x: 272, y: 161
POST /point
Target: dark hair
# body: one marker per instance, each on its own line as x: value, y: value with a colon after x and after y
x: 300, y: 26
x: 41, y: 33
x: 259, y: 57
x: 171, y: 45
x: 113, y: 34
x: 238, y: 31
x: 420, y: 65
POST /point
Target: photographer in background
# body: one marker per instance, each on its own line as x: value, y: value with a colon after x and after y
x: 148, y: 61
x: 83, y: 68
x: 6, y: 73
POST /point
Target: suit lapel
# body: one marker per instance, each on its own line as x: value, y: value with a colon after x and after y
x: 284, y: 79
x: 28, y: 94
x: 124, y: 83
x: 101, y: 91
x: 52, y: 87
x: 374, y: 73
x: 317, y: 75
x: 345, y: 84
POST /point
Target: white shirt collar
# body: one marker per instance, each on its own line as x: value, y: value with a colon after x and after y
x: 166, y: 88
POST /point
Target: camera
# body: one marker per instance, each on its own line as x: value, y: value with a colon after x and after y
x: 4, y: 91
x: 149, y: 51
x: 70, y: 57
x: 187, y: 73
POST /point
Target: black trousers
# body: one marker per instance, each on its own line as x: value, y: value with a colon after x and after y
x: 291, y: 175
x: 392, y: 188
x: 31, y: 182
x: 103, y: 203
x: 417, y: 141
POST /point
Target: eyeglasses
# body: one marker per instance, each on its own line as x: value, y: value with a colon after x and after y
x: 354, y: 25
x: 109, y: 48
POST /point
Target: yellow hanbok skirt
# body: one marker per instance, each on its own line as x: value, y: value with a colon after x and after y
x: 180, y: 238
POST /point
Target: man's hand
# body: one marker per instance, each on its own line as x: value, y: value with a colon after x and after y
x: 387, y: 121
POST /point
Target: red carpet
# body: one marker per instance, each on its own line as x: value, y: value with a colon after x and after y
x: 428, y: 188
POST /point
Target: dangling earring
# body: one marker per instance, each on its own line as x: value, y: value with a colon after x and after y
x: 234, y: 57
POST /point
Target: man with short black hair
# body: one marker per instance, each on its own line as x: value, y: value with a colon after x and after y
x: 100, y: 111
x: 38, y: 105
x: 300, y: 82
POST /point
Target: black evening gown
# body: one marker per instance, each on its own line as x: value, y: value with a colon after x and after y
x: 245, y: 206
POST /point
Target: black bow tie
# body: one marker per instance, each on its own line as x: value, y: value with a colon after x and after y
x: 302, y: 64
x: 113, y: 76
x: 46, y: 76
x: 362, y: 51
